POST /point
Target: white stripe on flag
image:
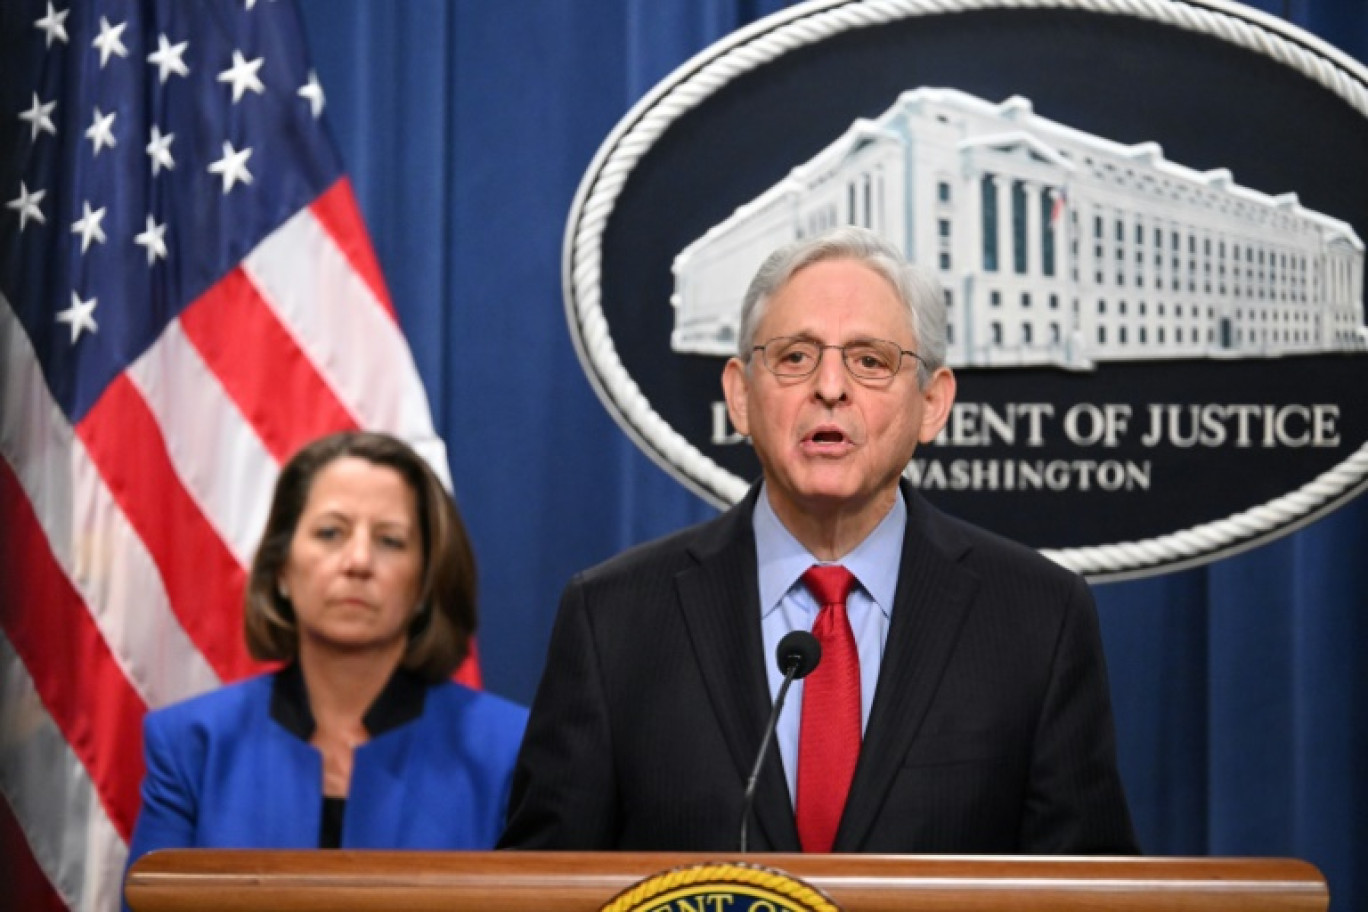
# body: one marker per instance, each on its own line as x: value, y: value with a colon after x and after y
x: 220, y: 459
x: 68, y: 832
x: 106, y: 562
x: 333, y: 315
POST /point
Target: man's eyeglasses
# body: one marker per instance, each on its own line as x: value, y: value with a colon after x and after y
x: 795, y: 357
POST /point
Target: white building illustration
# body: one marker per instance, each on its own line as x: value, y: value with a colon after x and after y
x: 1054, y: 246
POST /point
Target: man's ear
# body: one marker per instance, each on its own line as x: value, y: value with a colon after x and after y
x: 937, y: 398
x: 736, y: 390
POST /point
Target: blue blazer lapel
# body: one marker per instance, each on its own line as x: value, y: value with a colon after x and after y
x: 377, y: 803
x: 932, y: 601
x: 720, y: 601
x: 271, y: 770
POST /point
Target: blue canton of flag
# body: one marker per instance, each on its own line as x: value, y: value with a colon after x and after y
x: 148, y: 165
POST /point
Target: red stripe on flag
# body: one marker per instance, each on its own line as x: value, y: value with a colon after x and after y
x: 270, y: 378
x: 203, y: 581
x: 73, y: 671
x: 468, y: 673
x: 340, y: 216
x: 26, y: 886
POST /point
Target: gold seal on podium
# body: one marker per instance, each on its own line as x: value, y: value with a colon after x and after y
x: 721, y: 887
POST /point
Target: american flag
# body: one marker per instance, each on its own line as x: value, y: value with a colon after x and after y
x: 187, y: 294
x: 1059, y: 200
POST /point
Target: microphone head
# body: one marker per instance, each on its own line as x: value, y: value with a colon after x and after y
x: 798, y: 651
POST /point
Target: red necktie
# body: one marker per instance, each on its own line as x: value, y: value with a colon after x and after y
x: 829, y: 737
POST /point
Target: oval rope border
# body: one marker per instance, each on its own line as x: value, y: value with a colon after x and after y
x: 809, y: 23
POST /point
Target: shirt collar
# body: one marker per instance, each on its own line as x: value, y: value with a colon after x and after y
x: 399, y: 702
x: 781, y: 559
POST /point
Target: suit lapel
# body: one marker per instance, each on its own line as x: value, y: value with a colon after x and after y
x: 932, y: 600
x: 377, y: 800
x: 719, y: 598
x: 284, y: 779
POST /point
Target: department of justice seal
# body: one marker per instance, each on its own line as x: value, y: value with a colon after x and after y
x: 1147, y: 218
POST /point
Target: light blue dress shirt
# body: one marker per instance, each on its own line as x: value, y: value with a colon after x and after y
x: 786, y: 604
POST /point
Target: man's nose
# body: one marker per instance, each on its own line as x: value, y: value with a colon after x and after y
x: 831, y: 379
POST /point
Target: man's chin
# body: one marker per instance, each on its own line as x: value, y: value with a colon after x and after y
x: 835, y: 495
x: 833, y: 499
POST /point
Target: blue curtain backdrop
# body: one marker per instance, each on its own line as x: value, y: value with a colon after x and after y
x: 1241, y: 689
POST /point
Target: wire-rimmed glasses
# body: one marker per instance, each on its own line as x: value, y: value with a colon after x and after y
x: 796, y: 357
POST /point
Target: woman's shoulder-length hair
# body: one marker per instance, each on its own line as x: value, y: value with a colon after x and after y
x: 439, y: 637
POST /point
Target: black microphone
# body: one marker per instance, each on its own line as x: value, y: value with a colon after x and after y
x: 798, y: 653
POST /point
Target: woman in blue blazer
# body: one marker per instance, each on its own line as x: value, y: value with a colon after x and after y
x: 364, y: 587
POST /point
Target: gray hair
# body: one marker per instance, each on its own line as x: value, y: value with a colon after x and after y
x: 919, y: 291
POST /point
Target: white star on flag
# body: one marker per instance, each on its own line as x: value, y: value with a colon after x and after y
x: 243, y: 75
x: 88, y: 226
x: 79, y: 316
x: 53, y: 25
x: 109, y: 42
x: 101, y: 130
x: 38, y: 117
x: 153, y: 238
x: 168, y: 58
x: 159, y: 150
x: 233, y: 166
x: 26, y: 204
x: 312, y: 91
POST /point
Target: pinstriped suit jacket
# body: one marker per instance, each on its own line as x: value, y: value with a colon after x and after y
x: 991, y: 730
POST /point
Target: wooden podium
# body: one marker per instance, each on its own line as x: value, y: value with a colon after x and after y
x: 214, y: 880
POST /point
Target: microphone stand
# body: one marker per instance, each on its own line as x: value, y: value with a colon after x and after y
x: 749, y: 797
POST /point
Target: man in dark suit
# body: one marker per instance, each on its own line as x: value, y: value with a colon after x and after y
x: 961, y: 704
